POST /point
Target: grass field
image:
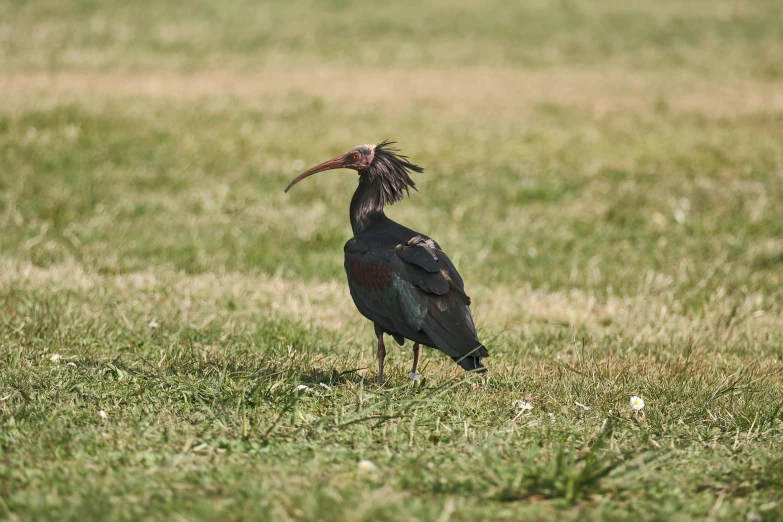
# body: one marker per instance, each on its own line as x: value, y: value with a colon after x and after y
x: 608, y: 177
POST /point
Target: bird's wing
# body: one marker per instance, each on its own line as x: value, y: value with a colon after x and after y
x: 451, y: 270
x: 373, y: 289
x: 413, y: 289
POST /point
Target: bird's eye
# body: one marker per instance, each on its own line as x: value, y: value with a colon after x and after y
x: 356, y: 155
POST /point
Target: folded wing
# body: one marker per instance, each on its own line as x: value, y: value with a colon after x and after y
x: 414, y: 291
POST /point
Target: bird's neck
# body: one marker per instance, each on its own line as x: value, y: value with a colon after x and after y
x: 366, y: 204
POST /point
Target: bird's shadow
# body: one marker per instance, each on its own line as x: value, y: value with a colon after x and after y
x: 139, y: 367
x: 334, y: 377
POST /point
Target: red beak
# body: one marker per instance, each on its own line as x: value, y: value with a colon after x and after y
x: 336, y: 163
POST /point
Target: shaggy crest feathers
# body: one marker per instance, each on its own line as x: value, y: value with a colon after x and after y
x: 392, y: 171
x: 384, y: 182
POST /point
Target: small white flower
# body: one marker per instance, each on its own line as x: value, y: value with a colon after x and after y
x: 525, y: 404
x: 637, y: 403
x: 154, y: 324
x: 414, y: 376
x: 551, y: 416
x: 366, y: 465
x: 679, y: 216
x: 55, y: 357
x: 102, y: 414
x: 303, y: 387
x: 324, y: 385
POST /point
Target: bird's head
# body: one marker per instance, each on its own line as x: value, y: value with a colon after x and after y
x: 379, y: 161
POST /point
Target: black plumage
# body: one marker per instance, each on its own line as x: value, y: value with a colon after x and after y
x: 399, y: 279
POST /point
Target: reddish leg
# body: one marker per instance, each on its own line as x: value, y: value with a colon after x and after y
x: 381, y: 354
x: 416, y: 352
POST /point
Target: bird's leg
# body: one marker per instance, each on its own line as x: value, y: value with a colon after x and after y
x: 381, y: 354
x: 416, y: 352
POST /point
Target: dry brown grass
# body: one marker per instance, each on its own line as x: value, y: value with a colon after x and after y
x: 326, y: 304
x: 496, y: 92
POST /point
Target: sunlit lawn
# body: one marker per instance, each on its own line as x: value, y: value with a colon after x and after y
x: 608, y: 176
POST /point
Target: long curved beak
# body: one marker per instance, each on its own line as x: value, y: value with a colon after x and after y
x: 336, y: 163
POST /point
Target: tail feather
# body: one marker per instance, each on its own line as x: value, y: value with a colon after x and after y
x: 470, y: 363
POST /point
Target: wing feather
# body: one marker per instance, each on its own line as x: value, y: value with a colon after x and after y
x: 414, y: 290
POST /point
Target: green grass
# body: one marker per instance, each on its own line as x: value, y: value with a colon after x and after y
x: 608, y: 176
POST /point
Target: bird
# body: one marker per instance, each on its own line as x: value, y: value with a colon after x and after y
x: 400, y: 279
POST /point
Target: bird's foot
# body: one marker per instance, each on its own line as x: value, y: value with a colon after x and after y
x: 414, y: 376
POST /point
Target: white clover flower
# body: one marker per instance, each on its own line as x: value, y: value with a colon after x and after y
x: 366, y: 465
x: 637, y: 403
x: 102, y: 414
x: 679, y: 216
x: 154, y: 324
x: 525, y: 404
